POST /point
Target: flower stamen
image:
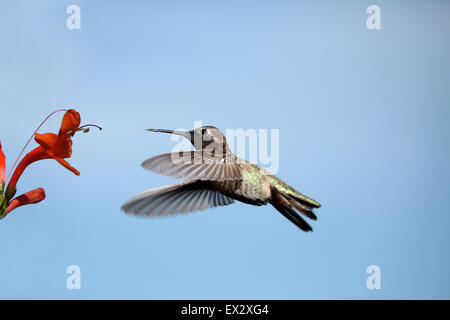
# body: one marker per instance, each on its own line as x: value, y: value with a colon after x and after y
x: 84, y: 129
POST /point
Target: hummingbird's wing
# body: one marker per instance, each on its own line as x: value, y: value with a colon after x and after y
x: 185, y: 196
x: 195, y: 164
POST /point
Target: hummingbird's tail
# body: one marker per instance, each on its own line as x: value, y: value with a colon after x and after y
x: 293, y: 216
x: 286, y: 203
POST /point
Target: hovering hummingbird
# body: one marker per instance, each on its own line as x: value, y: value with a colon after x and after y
x: 215, y: 177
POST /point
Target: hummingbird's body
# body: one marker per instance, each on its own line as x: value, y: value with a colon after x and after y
x: 216, y: 177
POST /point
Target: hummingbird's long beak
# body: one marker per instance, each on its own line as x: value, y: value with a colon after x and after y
x: 185, y: 134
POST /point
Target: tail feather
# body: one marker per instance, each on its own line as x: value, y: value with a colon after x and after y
x: 293, y: 217
x: 286, y: 203
x: 303, y: 208
x: 289, y: 191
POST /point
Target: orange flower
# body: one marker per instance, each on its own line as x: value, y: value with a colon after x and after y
x: 51, y: 146
x: 2, y: 165
x: 59, y: 146
x: 33, y: 196
x: 6, y: 204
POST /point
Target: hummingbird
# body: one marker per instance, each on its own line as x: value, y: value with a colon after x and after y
x: 215, y: 177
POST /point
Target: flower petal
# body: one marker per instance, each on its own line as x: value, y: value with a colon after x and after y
x: 47, y: 141
x: 34, y: 155
x: 2, y: 164
x: 33, y: 196
x: 66, y: 165
x: 70, y: 123
x: 63, y: 148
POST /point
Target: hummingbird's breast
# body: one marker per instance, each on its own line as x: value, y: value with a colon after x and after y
x: 253, y: 188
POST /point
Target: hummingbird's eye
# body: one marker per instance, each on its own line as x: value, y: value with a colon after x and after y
x: 204, y: 131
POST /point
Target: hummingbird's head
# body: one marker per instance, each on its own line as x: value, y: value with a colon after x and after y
x: 201, y: 137
x: 205, y: 135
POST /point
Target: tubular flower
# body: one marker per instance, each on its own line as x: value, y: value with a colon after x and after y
x: 51, y: 146
x: 2, y: 180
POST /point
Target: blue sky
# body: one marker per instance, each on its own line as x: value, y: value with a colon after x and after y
x: 363, y: 119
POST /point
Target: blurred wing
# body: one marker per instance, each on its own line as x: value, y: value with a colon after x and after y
x: 196, y: 164
x: 186, y: 196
